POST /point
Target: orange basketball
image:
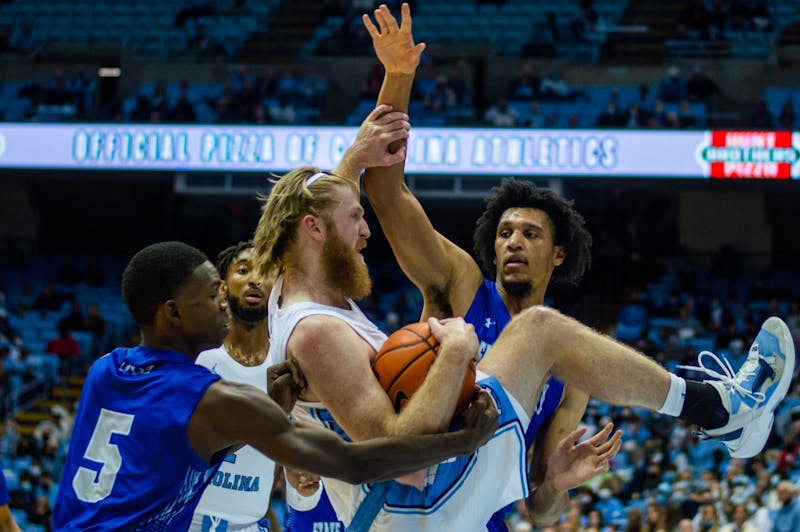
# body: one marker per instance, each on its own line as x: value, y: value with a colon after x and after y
x: 404, y: 360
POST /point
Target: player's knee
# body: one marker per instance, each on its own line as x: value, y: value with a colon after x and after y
x: 539, y: 318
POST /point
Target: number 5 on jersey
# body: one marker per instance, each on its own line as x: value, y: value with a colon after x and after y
x: 91, y: 485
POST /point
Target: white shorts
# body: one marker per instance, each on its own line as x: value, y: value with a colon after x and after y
x: 461, y: 493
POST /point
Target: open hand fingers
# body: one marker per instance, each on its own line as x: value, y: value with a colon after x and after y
x: 405, y: 18
x: 572, y: 438
x: 394, y: 116
x: 602, y: 435
x: 380, y: 111
x: 391, y: 22
x: 610, y: 449
x: 371, y: 29
x: 381, y: 19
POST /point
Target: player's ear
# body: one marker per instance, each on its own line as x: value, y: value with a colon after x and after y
x: 223, y: 288
x: 171, y: 312
x: 559, y: 255
x: 313, y: 226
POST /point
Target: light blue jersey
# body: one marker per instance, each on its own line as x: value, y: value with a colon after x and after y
x: 130, y: 465
x: 489, y: 315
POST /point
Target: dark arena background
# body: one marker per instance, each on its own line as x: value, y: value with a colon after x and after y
x: 670, y: 123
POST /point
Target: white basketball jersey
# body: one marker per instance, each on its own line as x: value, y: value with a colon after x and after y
x: 461, y: 493
x: 239, y: 492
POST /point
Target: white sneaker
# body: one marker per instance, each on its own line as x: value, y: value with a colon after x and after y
x: 751, y: 395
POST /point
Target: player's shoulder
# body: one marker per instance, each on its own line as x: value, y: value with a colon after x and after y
x: 316, y: 326
x: 207, y: 357
x: 319, y: 332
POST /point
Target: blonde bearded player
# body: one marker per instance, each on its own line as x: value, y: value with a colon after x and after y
x: 237, y: 499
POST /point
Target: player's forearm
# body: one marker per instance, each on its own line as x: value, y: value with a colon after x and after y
x: 431, y: 407
x: 390, y: 457
x: 545, y: 505
x: 395, y: 91
x: 350, y: 167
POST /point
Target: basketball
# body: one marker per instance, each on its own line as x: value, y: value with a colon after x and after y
x: 404, y: 360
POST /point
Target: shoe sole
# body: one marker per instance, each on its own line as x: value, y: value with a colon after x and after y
x: 780, y: 330
x: 756, y: 433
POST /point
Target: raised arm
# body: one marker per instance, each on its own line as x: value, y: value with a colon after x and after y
x: 446, y: 275
x: 230, y: 414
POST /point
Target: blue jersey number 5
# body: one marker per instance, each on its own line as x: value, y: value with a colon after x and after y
x: 89, y: 484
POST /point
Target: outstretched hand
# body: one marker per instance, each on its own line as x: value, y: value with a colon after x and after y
x: 573, y: 463
x: 285, y: 382
x: 394, y: 45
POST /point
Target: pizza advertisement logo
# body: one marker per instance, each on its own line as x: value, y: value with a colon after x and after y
x: 749, y: 154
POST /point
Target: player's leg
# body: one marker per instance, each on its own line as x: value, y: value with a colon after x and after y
x: 540, y: 340
x: 736, y: 407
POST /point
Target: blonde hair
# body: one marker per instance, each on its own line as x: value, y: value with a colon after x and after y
x: 290, y: 199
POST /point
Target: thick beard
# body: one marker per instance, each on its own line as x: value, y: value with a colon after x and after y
x: 249, y: 315
x: 517, y: 288
x: 344, y: 267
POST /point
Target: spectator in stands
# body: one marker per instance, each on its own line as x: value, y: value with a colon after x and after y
x: 193, y: 9
x: 786, y: 518
x: 551, y: 24
x: 501, y: 115
x: 246, y: 100
x: 7, y: 332
x: 442, y: 97
x: 686, y: 119
x: 57, y: 92
x: 701, y: 88
x: 66, y: 347
x: 610, y: 117
x: 261, y: 115
x: 159, y: 101
x: 762, y: 117
x: 141, y: 112
x: 739, y: 521
x: 458, y: 83
x: 659, y: 115
x: 535, y: 118
x: 183, y: 112
x: 239, y: 76
x: 283, y: 111
x: 585, y: 22
x: 636, y: 116
x: 526, y: 85
x: 787, y: 118
x: 82, y: 85
x: 94, y: 321
x: 288, y: 83
x: 74, y: 320
x: 696, y: 19
x: 22, y: 38
x: 673, y: 87
x: 555, y: 89
x: 41, y: 514
x: 49, y: 299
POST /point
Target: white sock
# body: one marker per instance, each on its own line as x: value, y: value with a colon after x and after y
x: 673, y: 404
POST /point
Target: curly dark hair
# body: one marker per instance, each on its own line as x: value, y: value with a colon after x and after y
x: 155, y: 274
x: 568, y: 226
x: 227, y: 255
